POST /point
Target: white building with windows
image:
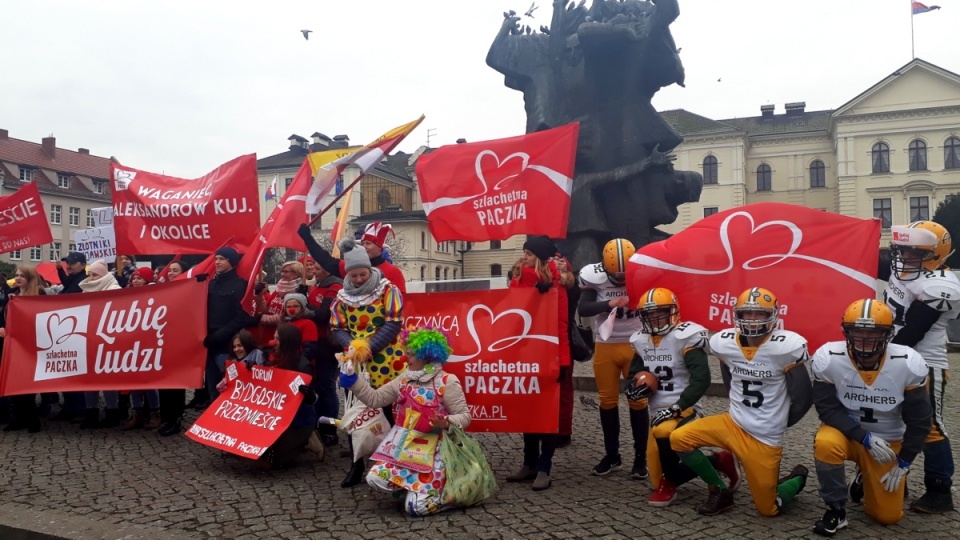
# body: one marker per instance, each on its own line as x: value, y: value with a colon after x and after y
x: 892, y: 152
x: 71, y: 184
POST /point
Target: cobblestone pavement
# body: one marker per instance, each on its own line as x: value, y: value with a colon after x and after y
x: 173, y: 486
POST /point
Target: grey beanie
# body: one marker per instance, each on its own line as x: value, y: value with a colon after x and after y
x: 353, y: 256
x: 295, y: 296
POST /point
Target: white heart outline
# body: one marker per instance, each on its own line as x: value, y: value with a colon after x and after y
x: 495, y: 346
x: 795, y: 231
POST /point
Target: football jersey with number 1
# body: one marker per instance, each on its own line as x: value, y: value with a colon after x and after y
x: 758, y: 387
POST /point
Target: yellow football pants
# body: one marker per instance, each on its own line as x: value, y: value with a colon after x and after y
x: 611, y: 362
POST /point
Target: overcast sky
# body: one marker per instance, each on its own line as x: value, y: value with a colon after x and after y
x: 180, y: 87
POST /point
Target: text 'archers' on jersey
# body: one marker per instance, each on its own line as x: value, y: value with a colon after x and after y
x: 939, y: 289
x: 595, y: 277
x: 873, y: 397
x: 665, y: 360
x: 758, y: 387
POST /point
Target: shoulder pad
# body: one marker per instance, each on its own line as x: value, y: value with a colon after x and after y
x: 638, y: 338
x: 914, y: 361
x: 793, y: 345
x: 826, y: 354
x: 593, y: 275
x: 690, y: 334
x: 941, y: 293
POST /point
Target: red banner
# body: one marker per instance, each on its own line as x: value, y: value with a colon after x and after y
x: 815, y: 262
x: 161, y: 214
x: 138, y: 338
x: 493, y: 190
x: 505, y: 352
x: 23, y: 223
x: 257, y: 406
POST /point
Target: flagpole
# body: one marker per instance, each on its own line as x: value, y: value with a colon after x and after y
x: 335, y: 199
x: 912, y: 53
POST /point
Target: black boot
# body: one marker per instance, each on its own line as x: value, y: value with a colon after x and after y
x: 937, y: 499
x: 111, y: 418
x: 91, y: 419
x: 355, y: 476
x: 640, y: 427
x: 610, y: 425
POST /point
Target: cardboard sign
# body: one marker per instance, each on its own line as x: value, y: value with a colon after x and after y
x: 96, y: 243
x: 255, y: 409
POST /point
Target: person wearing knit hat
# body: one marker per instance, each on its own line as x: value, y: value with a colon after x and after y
x: 372, y: 239
x: 229, y: 256
x: 141, y: 276
x: 97, y: 269
x: 367, y: 296
x: 429, y: 401
x: 99, y: 278
x: 541, y: 246
x: 296, y: 311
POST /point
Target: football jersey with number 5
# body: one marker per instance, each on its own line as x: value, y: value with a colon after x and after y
x: 758, y: 387
x: 873, y: 397
x: 939, y: 289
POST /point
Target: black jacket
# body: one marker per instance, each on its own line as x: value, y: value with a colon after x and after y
x: 225, y: 316
x: 71, y: 282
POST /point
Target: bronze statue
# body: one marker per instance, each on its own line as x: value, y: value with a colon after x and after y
x: 601, y: 66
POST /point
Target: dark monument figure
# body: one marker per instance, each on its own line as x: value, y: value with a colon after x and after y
x: 601, y: 67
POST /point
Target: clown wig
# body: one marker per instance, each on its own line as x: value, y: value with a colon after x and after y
x: 427, y: 344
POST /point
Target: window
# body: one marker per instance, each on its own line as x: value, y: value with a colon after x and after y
x: 437, y: 273
x: 454, y: 273
x: 63, y: 181
x: 818, y: 174
x: 919, y: 209
x: 16, y: 255
x: 446, y: 274
x: 74, y: 216
x: 26, y: 174
x: 883, y: 212
x: 90, y: 221
x: 423, y: 239
x: 918, y: 155
x: 55, y: 251
x: 763, y: 177
x: 423, y: 272
x: 384, y: 199
x: 35, y: 253
x: 710, y: 210
x: 880, y: 157
x: 98, y: 187
x: 55, y: 211
x: 495, y: 244
x: 339, y: 185
x: 710, y: 170
x: 73, y: 247
x: 951, y: 153
x: 287, y: 182
x: 496, y: 270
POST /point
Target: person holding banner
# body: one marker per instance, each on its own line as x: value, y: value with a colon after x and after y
x: 320, y: 299
x: 99, y: 279
x: 140, y: 277
x: 372, y: 239
x: 924, y: 294
x: 536, y: 268
x: 225, y: 314
x: 366, y: 317
x: 429, y: 400
x: 25, y: 413
x: 71, y: 274
x: 125, y: 267
x: 765, y: 371
x: 175, y: 268
x: 141, y: 417
x: 605, y: 293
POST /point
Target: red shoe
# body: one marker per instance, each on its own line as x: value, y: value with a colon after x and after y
x: 729, y: 466
x: 665, y: 494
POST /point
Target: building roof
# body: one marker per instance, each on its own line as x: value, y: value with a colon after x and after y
x: 778, y: 124
x: 292, y: 158
x: 32, y: 155
x: 687, y: 123
x: 916, y: 63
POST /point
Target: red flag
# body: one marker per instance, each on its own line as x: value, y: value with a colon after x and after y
x: 493, y: 190
x: 815, y: 262
x: 257, y: 407
x: 129, y: 339
x: 23, y: 223
x: 280, y: 230
x: 161, y: 214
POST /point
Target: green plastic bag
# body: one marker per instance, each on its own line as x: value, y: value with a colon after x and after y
x: 469, y: 478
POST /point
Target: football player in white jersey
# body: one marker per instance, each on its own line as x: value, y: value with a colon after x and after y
x: 764, y: 370
x: 924, y: 295
x: 604, y: 290
x: 673, y: 352
x: 872, y: 400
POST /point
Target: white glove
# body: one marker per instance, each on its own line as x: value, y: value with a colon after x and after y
x: 891, y: 480
x: 346, y: 367
x: 879, y: 449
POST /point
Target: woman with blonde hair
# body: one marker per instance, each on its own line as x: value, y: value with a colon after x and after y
x: 99, y: 278
x: 25, y: 413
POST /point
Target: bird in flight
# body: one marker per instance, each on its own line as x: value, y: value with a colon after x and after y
x: 306, y: 34
x: 533, y: 7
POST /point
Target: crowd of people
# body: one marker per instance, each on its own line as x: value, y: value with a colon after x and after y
x: 878, y: 393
